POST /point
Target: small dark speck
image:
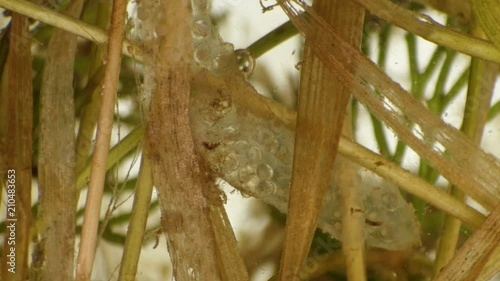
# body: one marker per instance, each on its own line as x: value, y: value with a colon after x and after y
x: 210, y: 145
x: 356, y: 210
x: 379, y: 163
x: 373, y: 223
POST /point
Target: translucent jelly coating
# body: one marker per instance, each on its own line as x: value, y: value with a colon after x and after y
x: 255, y: 156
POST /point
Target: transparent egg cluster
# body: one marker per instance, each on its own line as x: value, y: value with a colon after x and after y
x: 210, y: 51
x: 255, y: 155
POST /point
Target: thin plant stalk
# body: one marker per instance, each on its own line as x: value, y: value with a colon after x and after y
x: 115, y: 154
x: 89, y: 237
x: 138, y: 219
x: 88, y: 119
x: 272, y: 39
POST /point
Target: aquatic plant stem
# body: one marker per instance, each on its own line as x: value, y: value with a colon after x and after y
x: 89, y: 237
x: 481, y: 83
x: 138, y: 219
x: 272, y: 39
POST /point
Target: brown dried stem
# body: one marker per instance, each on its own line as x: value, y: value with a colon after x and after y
x: 178, y: 175
x: 57, y: 175
x: 98, y: 172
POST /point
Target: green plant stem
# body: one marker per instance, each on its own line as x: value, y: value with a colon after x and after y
x: 494, y: 110
x: 434, y: 105
x: 455, y: 89
x: 416, y: 85
x: 113, y: 237
x: 272, y: 39
x: 378, y: 128
x: 82, y: 99
x: 418, y: 81
x: 138, y: 219
x: 474, y: 254
x: 439, y: 102
x: 115, y: 154
x: 432, y: 65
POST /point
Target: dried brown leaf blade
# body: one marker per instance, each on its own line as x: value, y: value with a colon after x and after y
x: 492, y: 267
x: 231, y: 263
x: 19, y: 148
x: 321, y: 111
